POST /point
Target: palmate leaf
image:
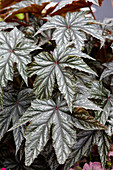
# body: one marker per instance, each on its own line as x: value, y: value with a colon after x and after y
x: 82, y: 147
x: 14, y: 48
x: 47, y: 67
x: 86, y: 139
x: 14, y: 107
x: 73, y: 27
x: 44, y: 114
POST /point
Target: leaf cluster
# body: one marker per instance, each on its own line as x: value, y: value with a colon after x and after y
x: 56, y: 83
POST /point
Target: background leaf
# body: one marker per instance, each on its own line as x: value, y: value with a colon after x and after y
x: 86, y: 139
x: 83, y: 120
x: 14, y: 107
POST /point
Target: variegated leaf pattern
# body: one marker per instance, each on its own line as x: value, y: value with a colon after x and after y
x: 14, y: 48
x: 14, y: 107
x: 47, y: 67
x: 82, y: 101
x: 83, y: 120
x: 73, y: 27
x: 43, y: 114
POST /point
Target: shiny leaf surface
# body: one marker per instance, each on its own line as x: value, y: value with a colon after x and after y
x: 14, y: 48
x: 72, y: 28
x: 43, y: 114
x: 83, y: 101
x: 47, y: 67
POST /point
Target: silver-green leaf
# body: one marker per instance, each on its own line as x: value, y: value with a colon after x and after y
x: 43, y: 114
x: 73, y: 27
x: 47, y: 67
x: 14, y: 48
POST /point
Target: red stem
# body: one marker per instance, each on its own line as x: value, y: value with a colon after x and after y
x: 92, y: 12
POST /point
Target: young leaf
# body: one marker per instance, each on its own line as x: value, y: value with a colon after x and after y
x: 47, y: 66
x: 14, y: 107
x: 86, y: 139
x: 45, y: 37
x: 14, y: 47
x: 44, y: 114
x: 72, y: 28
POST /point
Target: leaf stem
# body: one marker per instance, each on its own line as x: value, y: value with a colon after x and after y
x: 27, y: 17
x: 92, y: 11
